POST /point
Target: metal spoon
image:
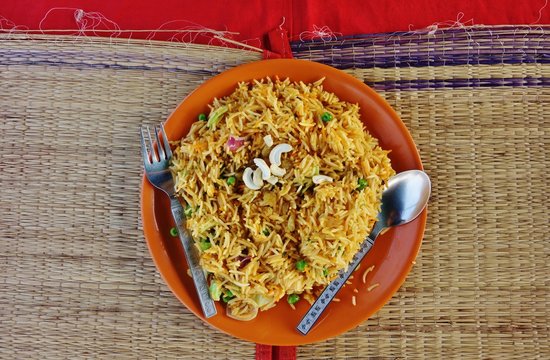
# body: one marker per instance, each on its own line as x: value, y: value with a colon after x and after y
x: 404, y: 199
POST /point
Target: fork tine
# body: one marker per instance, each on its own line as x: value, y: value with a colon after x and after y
x: 154, y: 156
x: 167, y: 149
x: 160, y: 149
x: 144, y: 152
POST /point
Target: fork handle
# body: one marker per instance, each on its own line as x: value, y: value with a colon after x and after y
x: 193, y: 261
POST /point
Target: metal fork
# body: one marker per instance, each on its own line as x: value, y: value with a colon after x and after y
x: 156, y: 162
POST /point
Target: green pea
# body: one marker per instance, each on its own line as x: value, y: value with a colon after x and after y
x: 174, y: 231
x: 205, y: 244
x: 325, y: 272
x: 326, y: 117
x: 231, y: 180
x: 361, y: 184
x: 202, y: 117
x: 301, y: 265
x: 293, y: 298
x: 266, y: 232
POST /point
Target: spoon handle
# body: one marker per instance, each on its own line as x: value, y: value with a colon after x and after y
x: 315, y: 311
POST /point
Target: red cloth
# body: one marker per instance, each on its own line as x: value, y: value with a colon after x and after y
x: 254, y: 19
x: 264, y: 352
x: 268, y: 352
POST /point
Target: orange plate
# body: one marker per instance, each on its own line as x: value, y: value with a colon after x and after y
x: 393, y: 253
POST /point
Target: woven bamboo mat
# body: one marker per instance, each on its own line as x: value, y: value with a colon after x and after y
x: 76, y: 279
x: 477, y: 103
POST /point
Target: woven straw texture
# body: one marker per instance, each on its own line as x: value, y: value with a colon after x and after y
x: 477, y: 103
x: 76, y: 279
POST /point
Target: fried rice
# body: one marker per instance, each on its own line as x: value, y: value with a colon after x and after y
x: 292, y: 234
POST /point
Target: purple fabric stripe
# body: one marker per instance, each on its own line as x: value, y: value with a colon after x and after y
x: 476, y: 46
x: 419, y: 37
x: 82, y: 65
x: 405, y: 85
x: 47, y: 55
x: 421, y: 41
x: 415, y: 61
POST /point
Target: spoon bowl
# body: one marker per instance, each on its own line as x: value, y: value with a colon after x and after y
x: 403, y: 200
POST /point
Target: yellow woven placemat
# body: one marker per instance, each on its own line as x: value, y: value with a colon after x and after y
x: 76, y: 279
x: 477, y: 103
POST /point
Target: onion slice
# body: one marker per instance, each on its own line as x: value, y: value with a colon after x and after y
x: 242, y: 309
x: 234, y: 143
